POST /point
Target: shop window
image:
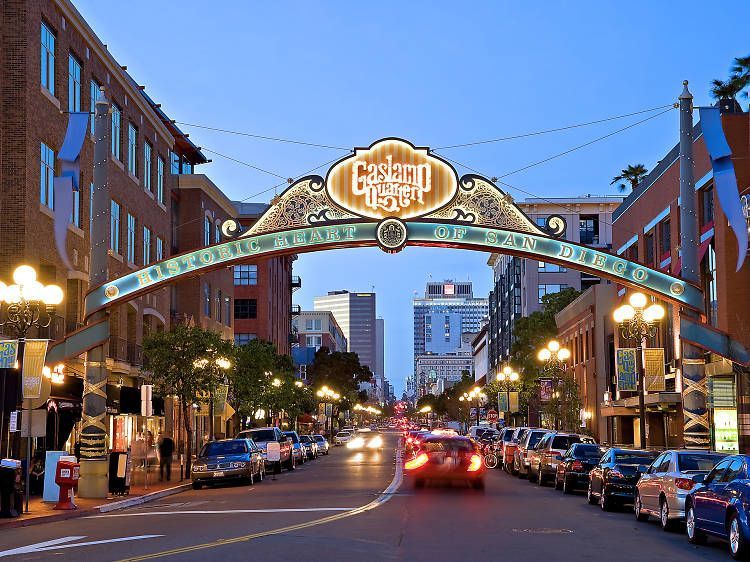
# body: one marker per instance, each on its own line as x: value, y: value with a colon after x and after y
x: 665, y: 237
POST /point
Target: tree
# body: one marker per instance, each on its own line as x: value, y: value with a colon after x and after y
x: 342, y: 372
x: 170, y: 365
x: 253, y: 365
x: 633, y: 174
x: 727, y: 89
x: 564, y: 406
x: 741, y: 72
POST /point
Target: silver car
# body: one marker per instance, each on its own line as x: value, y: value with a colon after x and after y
x: 662, y: 489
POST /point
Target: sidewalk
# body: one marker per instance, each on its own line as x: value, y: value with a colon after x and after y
x: 43, y: 512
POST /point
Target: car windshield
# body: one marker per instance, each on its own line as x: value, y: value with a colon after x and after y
x: 263, y: 435
x: 632, y: 457
x: 444, y: 445
x: 564, y: 441
x: 320, y: 438
x: 343, y: 434
x: 588, y: 452
x: 535, y: 437
x: 521, y: 435
x: 219, y: 448
x: 697, y: 462
x: 507, y: 435
x: 292, y: 435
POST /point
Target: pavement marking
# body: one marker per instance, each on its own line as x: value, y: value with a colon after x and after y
x: 57, y: 544
x: 383, y: 498
x: 224, y: 511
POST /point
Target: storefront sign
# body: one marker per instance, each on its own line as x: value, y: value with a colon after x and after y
x: 654, y: 369
x: 725, y: 430
x: 627, y: 378
x: 13, y: 424
x: 8, y: 353
x: 34, y: 352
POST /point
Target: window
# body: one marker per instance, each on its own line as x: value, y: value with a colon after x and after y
x: 541, y: 222
x: 551, y: 268
x: 548, y: 289
x: 132, y: 149
x: 130, y: 241
x: 217, y: 232
x: 174, y: 162
x: 589, y: 229
x: 707, y: 206
x: 717, y: 472
x: 245, y: 274
x: 114, y: 227
x: 186, y: 168
x: 91, y: 210
x: 218, y: 306
x: 734, y: 471
x: 665, y: 237
x: 227, y: 311
x: 313, y: 325
x: 75, y: 214
x: 47, y: 177
x: 74, y: 84
x: 243, y: 339
x: 648, y: 244
x: 207, y: 300
x: 147, y: 151
x: 710, y: 289
x: 206, y: 231
x: 160, y: 179
x: 94, y: 89
x: 116, y: 132
x: 48, y: 59
x: 245, y: 308
x: 159, y: 249
x: 146, y: 245
x: 314, y: 341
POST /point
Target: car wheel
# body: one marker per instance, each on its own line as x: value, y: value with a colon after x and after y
x: 567, y: 487
x: 667, y: 524
x: 737, y: 547
x: 640, y: 515
x: 541, y: 479
x: 531, y: 476
x: 590, y: 495
x: 419, y: 483
x: 197, y: 485
x: 558, y: 483
x: 604, y: 502
x: 694, y: 535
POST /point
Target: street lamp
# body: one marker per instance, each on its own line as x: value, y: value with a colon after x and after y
x: 474, y: 394
x: 554, y: 357
x: 507, y: 378
x: 638, y: 322
x: 28, y: 304
x: 328, y: 396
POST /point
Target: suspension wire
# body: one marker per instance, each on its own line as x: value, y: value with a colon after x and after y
x: 555, y: 130
x: 244, y: 163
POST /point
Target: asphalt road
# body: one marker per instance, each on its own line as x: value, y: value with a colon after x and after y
x: 335, y: 509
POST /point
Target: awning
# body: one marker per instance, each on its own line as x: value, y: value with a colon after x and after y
x: 702, y: 249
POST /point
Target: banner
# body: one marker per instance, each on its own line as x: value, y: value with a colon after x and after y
x: 34, y: 352
x: 220, y: 398
x: 654, y: 371
x: 513, y: 402
x: 545, y: 390
x: 8, y: 354
x: 502, y: 402
x: 627, y: 378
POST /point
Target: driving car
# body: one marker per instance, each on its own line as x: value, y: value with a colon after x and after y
x: 366, y: 440
x: 576, y: 464
x: 662, y: 490
x: 261, y: 436
x: 323, y: 445
x: 521, y: 454
x: 298, y: 450
x: 447, y: 458
x: 310, y: 446
x: 612, y: 481
x: 412, y: 440
x: 342, y: 438
x: 718, y: 506
x: 226, y: 460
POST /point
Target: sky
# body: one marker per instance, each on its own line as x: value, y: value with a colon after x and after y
x: 435, y: 72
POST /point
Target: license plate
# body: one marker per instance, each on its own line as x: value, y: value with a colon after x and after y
x: 218, y: 474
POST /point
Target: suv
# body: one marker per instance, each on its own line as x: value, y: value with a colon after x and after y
x: 521, y: 454
x: 264, y: 435
x: 299, y: 451
x: 548, y: 453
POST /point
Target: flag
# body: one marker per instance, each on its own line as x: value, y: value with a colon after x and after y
x: 627, y: 378
x: 654, y: 372
x: 34, y: 352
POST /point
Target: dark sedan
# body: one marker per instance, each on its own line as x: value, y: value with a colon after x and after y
x: 226, y: 460
x: 448, y: 458
x: 574, y: 468
x: 612, y: 481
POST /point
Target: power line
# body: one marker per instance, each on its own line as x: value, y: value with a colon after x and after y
x: 555, y: 130
x: 243, y: 163
x: 261, y: 137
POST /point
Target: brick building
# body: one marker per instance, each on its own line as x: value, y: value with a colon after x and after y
x: 647, y: 229
x: 318, y: 329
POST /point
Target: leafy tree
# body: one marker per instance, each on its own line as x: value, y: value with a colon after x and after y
x: 633, y: 174
x: 563, y: 409
x: 252, y: 375
x: 340, y: 370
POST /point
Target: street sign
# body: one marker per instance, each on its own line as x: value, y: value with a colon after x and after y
x: 13, y: 425
x: 492, y: 416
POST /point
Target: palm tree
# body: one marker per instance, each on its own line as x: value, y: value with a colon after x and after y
x: 631, y: 174
x: 741, y: 72
x: 727, y: 89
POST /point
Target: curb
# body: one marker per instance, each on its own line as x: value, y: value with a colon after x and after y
x: 105, y: 508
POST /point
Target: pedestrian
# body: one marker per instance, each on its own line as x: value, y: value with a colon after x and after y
x: 166, y: 449
x: 36, y: 479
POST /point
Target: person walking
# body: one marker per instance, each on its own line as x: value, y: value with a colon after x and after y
x: 166, y: 449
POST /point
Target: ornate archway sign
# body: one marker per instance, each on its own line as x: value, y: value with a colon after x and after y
x: 393, y: 194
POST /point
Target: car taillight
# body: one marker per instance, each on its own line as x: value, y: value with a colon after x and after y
x: 416, y: 462
x: 684, y: 483
x: 409, y: 440
x: 475, y: 463
x: 577, y: 465
x: 616, y: 474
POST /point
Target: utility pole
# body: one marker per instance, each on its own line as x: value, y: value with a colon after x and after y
x: 693, y: 383
x: 94, y: 482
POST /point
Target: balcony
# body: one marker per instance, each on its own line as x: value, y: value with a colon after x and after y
x: 296, y: 282
x: 295, y: 310
x: 125, y: 351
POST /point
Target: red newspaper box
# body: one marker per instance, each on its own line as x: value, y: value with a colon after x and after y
x: 66, y: 476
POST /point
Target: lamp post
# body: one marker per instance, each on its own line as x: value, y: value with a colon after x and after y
x: 328, y: 396
x: 637, y: 321
x: 426, y: 410
x: 474, y: 394
x: 28, y: 304
x: 554, y: 357
x: 213, y: 367
x: 507, y: 378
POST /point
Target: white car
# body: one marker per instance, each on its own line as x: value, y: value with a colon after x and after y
x: 342, y: 438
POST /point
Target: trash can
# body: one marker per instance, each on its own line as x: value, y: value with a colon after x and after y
x: 11, y: 488
x: 119, y: 483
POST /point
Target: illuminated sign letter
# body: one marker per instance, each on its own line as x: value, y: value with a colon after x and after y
x: 565, y: 251
x: 529, y: 243
x: 441, y: 232
x: 509, y: 241
x: 143, y: 278
x: 619, y: 267
x: 299, y: 237
x: 206, y: 257
x: 280, y: 241
x: 599, y: 261
x: 173, y: 268
x: 459, y: 232
x: 189, y: 262
x: 640, y: 274
x: 224, y: 253
x: 490, y: 238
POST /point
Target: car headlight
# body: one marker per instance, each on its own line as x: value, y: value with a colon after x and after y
x: 356, y: 443
x: 375, y: 442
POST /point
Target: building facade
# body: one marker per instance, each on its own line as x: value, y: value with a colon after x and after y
x: 316, y: 329
x: 380, y: 380
x: 480, y: 354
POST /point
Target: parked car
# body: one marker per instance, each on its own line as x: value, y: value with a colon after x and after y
x: 509, y: 449
x: 544, y: 458
x: 226, y: 460
x: 323, y: 445
x: 520, y: 458
x: 612, y: 481
x: 476, y: 431
x: 309, y: 446
x: 576, y: 464
x: 718, y: 506
x: 298, y: 451
x: 447, y: 457
x: 662, y: 490
x: 261, y: 436
x: 342, y: 438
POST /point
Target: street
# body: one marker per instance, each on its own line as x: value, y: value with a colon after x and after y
x: 311, y: 514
